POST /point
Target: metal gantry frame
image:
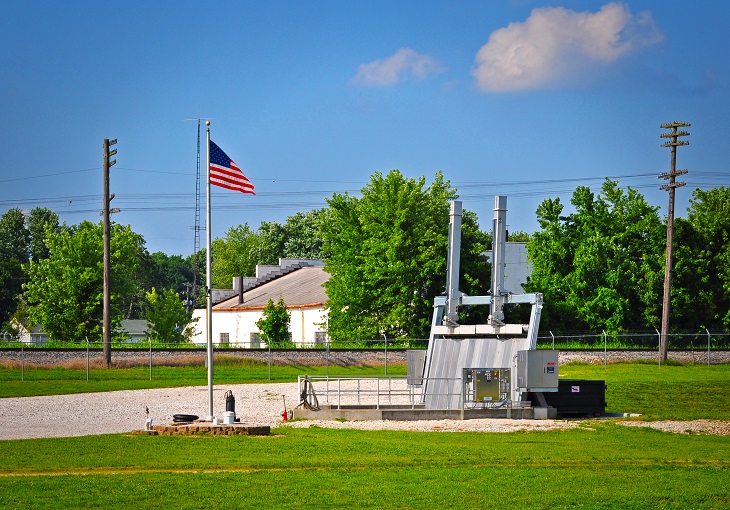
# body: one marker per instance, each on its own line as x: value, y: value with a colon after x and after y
x: 453, y: 346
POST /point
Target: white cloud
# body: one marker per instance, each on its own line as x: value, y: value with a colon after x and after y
x: 555, y: 44
x: 391, y: 70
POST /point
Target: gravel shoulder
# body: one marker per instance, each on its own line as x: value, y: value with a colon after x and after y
x: 256, y: 405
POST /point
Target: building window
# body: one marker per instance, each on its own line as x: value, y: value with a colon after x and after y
x: 320, y: 337
x: 225, y: 339
x: 254, y: 341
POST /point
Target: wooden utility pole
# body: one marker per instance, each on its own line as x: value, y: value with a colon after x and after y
x: 674, y: 142
x: 107, y: 330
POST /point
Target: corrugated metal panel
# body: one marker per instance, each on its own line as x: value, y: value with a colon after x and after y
x: 451, y: 355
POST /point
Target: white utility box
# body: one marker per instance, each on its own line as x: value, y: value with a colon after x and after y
x: 537, y: 370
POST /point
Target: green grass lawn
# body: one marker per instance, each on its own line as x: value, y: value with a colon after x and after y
x: 683, y: 392
x: 600, y: 465
x: 59, y: 381
x: 669, y: 392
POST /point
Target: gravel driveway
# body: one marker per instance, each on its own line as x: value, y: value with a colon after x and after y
x: 256, y: 405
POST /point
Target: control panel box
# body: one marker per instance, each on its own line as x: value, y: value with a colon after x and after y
x: 486, y: 384
x: 537, y: 370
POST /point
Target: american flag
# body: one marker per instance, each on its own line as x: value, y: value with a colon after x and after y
x: 225, y: 173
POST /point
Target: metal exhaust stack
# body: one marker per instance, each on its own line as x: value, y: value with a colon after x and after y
x: 499, y: 230
x: 452, y: 265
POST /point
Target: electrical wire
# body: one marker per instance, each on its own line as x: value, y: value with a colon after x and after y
x: 314, y: 198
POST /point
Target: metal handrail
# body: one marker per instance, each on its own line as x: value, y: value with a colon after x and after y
x: 351, y: 390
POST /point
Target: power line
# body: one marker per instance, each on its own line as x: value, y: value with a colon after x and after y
x: 314, y: 198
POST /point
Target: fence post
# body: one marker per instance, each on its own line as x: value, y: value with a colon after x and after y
x: 386, y: 354
x: 708, y: 347
x: 22, y: 361
x: 150, y: 359
x: 660, y: 345
x: 605, y: 349
x: 269, y: 344
x: 327, y: 360
x: 87, y: 358
x: 551, y: 334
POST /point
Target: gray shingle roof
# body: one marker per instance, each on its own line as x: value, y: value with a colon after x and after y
x: 300, y: 287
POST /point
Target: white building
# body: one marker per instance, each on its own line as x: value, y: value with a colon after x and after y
x: 297, y: 281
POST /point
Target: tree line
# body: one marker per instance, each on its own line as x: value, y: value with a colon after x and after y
x: 600, y: 267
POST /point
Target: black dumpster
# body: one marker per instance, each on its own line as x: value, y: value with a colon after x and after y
x: 576, y: 397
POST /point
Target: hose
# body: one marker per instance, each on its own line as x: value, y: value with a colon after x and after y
x: 184, y: 418
x: 307, y: 397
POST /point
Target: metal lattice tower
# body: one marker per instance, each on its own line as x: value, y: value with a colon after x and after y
x: 196, y: 227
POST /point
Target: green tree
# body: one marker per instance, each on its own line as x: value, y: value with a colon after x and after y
x: 303, y: 237
x: 702, y: 261
x: 270, y: 239
x: 233, y: 256
x: 602, y: 266
x: 168, y: 272
x: 197, y: 262
x: 299, y: 237
x: 15, y: 241
x: 65, y: 291
x: 41, y: 222
x: 274, y: 324
x: 387, y: 256
x: 167, y: 319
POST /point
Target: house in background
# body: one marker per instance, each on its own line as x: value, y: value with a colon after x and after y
x: 299, y: 282
x: 33, y: 335
x: 135, y: 330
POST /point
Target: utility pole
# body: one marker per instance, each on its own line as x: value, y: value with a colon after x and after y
x: 107, y: 330
x: 674, y: 142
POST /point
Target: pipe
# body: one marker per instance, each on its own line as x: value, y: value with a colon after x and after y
x: 453, y: 262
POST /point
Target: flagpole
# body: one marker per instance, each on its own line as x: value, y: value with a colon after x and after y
x: 209, y: 278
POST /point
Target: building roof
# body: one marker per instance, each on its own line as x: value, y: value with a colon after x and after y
x: 135, y: 326
x: 299, y: 288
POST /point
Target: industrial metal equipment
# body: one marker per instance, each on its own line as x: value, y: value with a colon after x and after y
x: 537, y: 371
x: 415, y: 361
x: 486, y: 387
x: 452, y: 346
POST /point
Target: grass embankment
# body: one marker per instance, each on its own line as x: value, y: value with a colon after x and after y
x: 599, y: 465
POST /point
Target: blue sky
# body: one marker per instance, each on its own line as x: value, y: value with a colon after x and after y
x: 523, y: 98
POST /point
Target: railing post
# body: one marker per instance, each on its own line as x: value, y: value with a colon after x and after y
x: 87, y: 358
x: 660, y: 345
x: 150, y: 359
x: 22, y: 361
x: 386, y: 354
x: 708, y: 347
x: 377, y: 396
x: 551, y: 334
x: 605, y: 349
x: 269, y: 344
